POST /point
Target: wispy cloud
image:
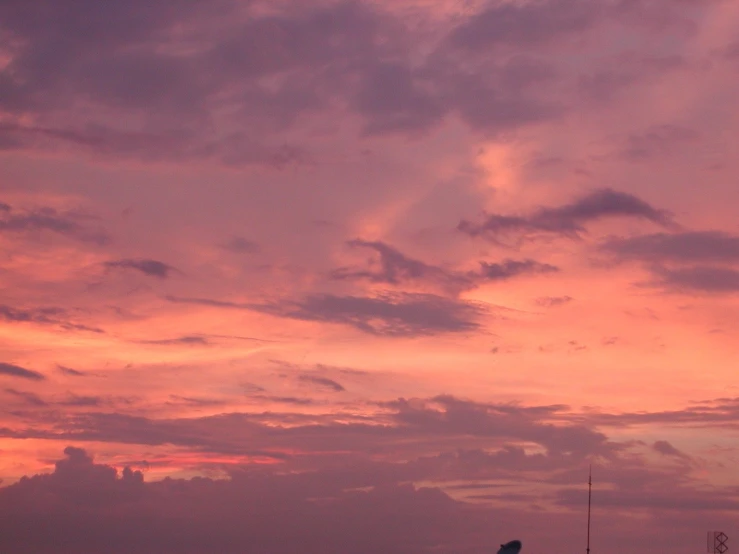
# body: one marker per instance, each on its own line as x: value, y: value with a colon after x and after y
x: 152, y: 268
x: 568, y: 220
x: 47, y: 219
x: 397, y: 314
x: 687, y: 247
x: 396, y: 268
x: 322, y: 382
x: 48, y: 315
x: 13, y: 370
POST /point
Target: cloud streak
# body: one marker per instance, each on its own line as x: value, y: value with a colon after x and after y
x: 568, y: 220
x: 396, y: 268
x: 47, y: 219
x: 686, y: 247
x: 397, y: 314
x: 150, y: 268
x: 13, y: 370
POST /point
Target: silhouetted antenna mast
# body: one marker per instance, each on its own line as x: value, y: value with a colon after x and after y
x: 590, y: 490
x: 718, y: 544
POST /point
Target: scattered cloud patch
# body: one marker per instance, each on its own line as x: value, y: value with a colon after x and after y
x: 524, y: 25
x: 392, y: 314
x: 569, y: 220
x: 707, y: 279
x: 70, y: 371
x: 657, y: 141
x: 508, y: 269
x: 191, y: 340
x: 44, y: 316
x: 12, y: 370
x: 73, y: 225
x: 152, y: 268
x: 553, y: 301
x: 322, y: 382
x: 686, y: 247
x: 396, y: 268
x: 240, y: 245
x: 666, y: 449
x: 28, y: 397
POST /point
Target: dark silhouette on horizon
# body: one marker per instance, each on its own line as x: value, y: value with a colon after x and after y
x: 512, y: 547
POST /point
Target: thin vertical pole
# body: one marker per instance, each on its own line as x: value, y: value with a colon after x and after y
x: 590, y: 489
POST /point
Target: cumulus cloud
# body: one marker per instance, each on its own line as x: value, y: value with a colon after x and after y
x: 89, y: 507
x: 82, y: 504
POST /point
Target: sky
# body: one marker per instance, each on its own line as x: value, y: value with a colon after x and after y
x: 368, y: 276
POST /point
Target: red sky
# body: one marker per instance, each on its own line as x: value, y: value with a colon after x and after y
x: 368, y: 276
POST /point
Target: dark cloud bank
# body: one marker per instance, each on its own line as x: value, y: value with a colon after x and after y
x: 349, y: 487
x: 168, y: 64
x: 688, y: 262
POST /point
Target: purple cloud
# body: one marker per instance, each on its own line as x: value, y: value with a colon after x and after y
x: 686, y: 247
x: 47, y: 219
x: 392, y: 314
x: 44, y: 316
x: 514, y: 268
x: 552, y: 301
x: 194, y: 340
x: 666, y: 449
x: 152, y: 268
x: 240, y: 245
x: 322, y: 382
x: 657, y: 141
x: 401, y: 314
x: 28, y: 397
x: 396, y: 268
x: 570, y: 219
x: 523, y: 25
x: 70, y: 371
x: 697, y: 279
x: 18, y: 371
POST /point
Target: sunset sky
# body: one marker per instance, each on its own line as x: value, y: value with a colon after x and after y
x: 368, y: 276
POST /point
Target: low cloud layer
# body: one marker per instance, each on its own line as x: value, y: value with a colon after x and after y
x: 363, y: 276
